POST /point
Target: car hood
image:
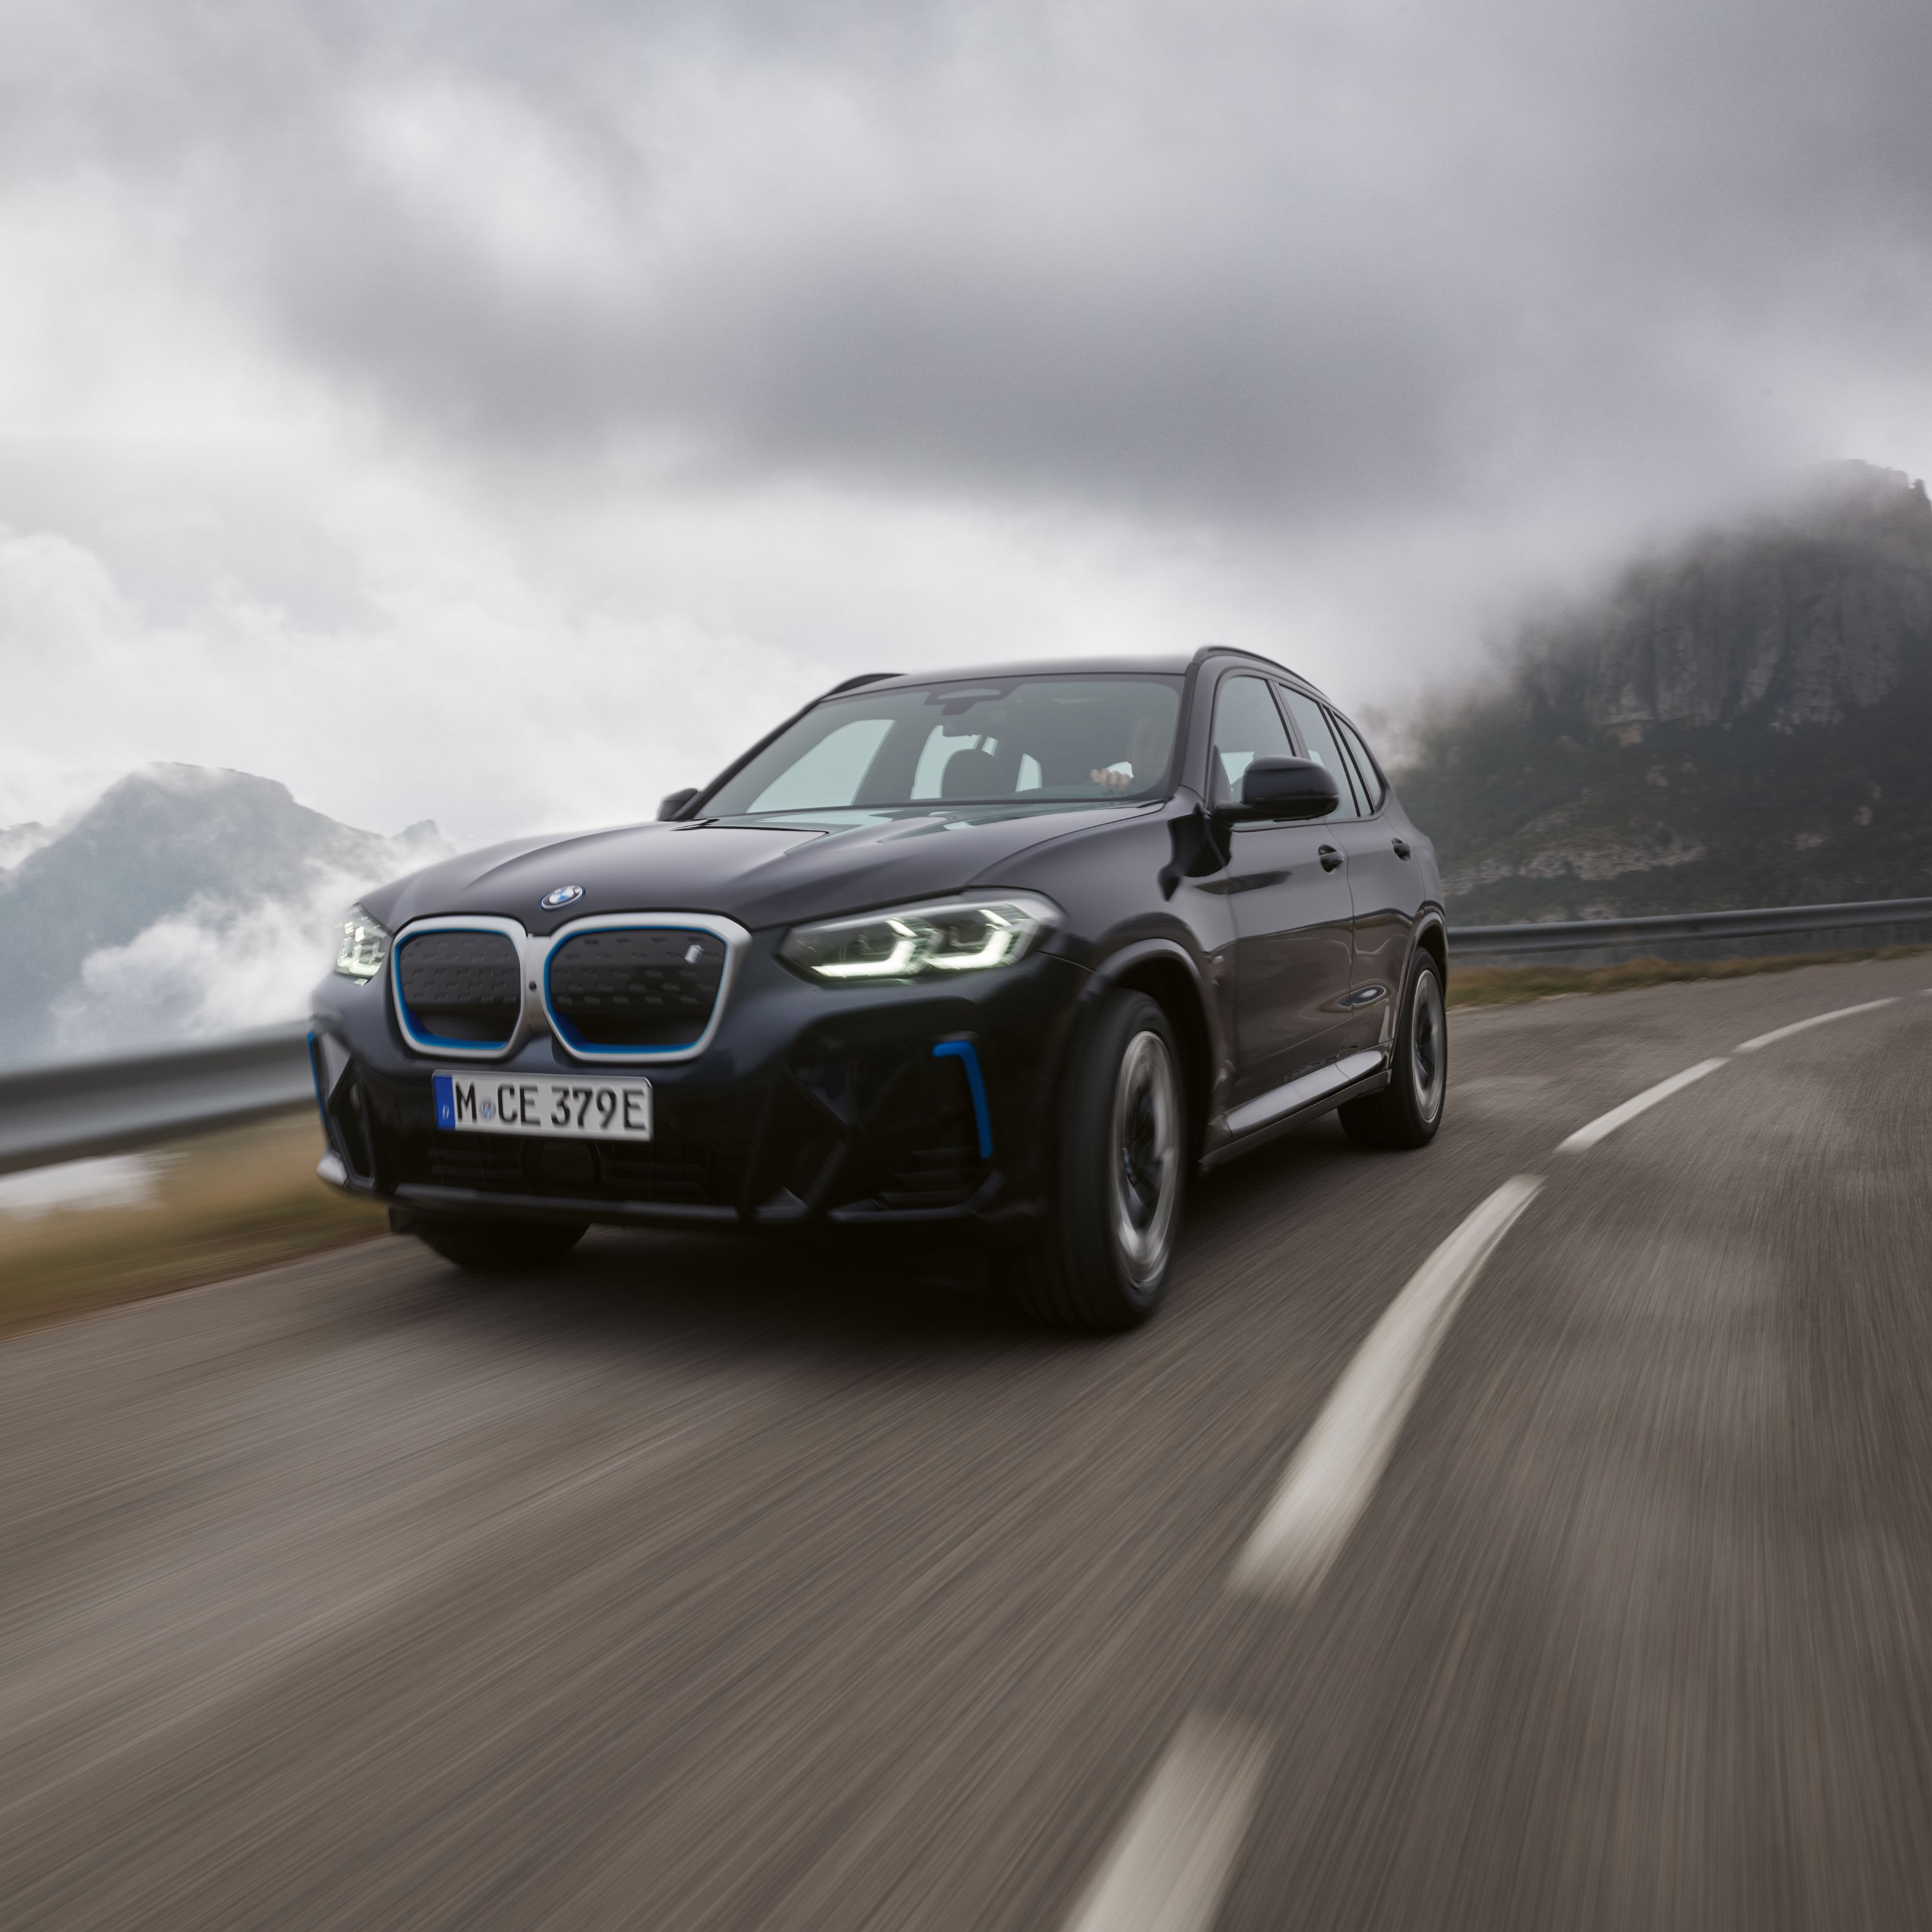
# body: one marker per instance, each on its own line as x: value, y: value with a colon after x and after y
x: 768, y: 873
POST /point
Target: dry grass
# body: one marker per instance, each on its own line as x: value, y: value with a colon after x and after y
x: 222, y: 1204
x: 1501, y: 986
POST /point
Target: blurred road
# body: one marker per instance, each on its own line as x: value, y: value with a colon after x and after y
x: 702, y: 1586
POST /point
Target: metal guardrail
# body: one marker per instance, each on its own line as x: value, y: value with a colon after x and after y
x: 1677, y: 931
x: 59, y: 1113
x: 103, y: 1106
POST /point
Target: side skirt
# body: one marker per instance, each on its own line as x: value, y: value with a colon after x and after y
x: 1259, y: 1120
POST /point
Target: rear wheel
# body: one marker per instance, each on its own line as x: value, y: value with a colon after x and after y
x: 1102, y: 1260
x: 485, y: 1246
x: 1408, y: 1110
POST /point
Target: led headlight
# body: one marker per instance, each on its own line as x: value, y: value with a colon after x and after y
x: 921, y: 942
x: 364, y: 947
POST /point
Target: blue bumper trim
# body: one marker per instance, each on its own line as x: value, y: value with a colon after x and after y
x: 315, y: 1078
x: 967, y: 1055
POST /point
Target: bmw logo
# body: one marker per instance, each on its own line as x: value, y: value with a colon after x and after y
x: 562, y: 896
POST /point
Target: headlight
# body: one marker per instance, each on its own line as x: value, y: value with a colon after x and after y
x: 365, y: 945
x: 921, y: 942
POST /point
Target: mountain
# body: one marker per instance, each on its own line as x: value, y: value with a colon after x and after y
x: 185, y: 902
x: 16, y: 841
x: 1745, y: 720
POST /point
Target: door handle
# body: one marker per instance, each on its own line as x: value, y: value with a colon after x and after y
x: 1401, y: 846
x: 1329, y: 858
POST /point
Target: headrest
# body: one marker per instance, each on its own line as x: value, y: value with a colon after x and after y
x: 973, y: 774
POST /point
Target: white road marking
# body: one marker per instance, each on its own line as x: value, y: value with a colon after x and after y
x: 1816, y: 1019
x: 1608, y: 1123
x: 1168, y: 1867
x: 1341, y: 1458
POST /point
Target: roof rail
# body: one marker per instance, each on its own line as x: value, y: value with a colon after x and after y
x: 1235, y: 651
x: 864, y: 677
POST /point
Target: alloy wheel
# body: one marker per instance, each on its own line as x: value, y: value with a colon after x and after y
x: 1145, y: 1150
x: 1429, y: 1043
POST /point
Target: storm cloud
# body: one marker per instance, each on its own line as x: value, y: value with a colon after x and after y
x: 659, y: 342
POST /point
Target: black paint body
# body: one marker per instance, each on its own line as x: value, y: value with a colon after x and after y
x: 1276, y: 948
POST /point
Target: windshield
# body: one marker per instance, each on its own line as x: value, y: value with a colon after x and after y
x: 1007, y: 741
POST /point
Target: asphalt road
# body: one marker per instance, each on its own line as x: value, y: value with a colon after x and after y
x: 694, y: 1585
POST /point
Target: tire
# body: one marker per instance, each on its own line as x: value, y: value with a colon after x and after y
x: 1407, y: 1112
x: 1101, y: 1262
x: 486, y: 1246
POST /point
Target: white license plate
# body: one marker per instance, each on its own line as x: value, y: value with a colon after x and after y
x: 492, y: 1103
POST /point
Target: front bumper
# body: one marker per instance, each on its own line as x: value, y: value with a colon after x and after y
x: 811, y: 1106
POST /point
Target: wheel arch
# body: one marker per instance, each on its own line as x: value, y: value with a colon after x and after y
x: 1431, y: 936
x: 1168, y: 974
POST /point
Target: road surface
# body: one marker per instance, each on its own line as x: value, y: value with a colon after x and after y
x: 1513, y: 1534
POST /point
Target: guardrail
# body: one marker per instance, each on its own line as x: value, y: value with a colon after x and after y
x: 103, y: 1106
x: 1701, y: 935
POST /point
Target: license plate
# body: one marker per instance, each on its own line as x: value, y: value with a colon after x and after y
x: 600, y: 1110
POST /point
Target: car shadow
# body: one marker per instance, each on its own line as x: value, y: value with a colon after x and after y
x: 887, y: 1296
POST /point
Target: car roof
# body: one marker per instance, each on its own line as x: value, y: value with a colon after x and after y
x: 1161, y: 664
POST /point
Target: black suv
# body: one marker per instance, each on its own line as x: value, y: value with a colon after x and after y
x: 1020, y: 948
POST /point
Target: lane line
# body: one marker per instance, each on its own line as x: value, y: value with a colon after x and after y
x: 1816, y: 1019
x: 1168, y: 1867
x: 1608, y: 1123
x: 1341, y: 1460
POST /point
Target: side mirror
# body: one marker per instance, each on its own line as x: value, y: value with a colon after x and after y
x: 1288, y: 788
x: 669, y: 807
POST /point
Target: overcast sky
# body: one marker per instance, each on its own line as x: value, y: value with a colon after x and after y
x: 499, y: 412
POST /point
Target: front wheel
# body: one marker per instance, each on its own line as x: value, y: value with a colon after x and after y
x: 1102, y: 1260
x: 1408, y: 1110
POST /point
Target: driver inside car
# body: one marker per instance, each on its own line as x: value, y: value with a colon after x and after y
x: 1147, y: 758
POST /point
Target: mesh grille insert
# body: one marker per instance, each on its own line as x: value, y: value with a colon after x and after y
x: 639, y: 987
x: 461, y: 986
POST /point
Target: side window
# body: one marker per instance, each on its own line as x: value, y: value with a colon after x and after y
x: 1373, y: 789
x: 1247, y: 726
x: 1312, y: 722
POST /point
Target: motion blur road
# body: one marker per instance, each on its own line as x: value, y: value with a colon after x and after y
x: 692, y: 1586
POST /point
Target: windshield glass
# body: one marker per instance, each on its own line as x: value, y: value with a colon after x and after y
x: 1007, y: 741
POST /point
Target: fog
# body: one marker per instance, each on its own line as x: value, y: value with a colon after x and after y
x: 498, y: 414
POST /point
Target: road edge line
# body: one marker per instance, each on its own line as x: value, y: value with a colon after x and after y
x: 1170, y: 1862
x: 1816, y: 1019
x: 1607, y: 1124
x: 1340, y: 1461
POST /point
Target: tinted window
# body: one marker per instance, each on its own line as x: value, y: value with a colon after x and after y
x: 1024, y: 740
x: 1247, y: 726
x: 1373, y: 789
x: 1312, y: 722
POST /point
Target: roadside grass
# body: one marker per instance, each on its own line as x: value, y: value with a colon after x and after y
x: 1504, y: 985
x: 219, y: 1205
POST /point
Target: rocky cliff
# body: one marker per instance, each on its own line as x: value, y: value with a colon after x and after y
x: 1746, y: 720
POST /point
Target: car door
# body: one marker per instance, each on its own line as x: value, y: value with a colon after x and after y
x: 1381, y: 881
x: 1288, y: 886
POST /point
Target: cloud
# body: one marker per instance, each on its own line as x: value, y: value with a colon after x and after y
x: 220, y: 966
x: 501, y: 412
